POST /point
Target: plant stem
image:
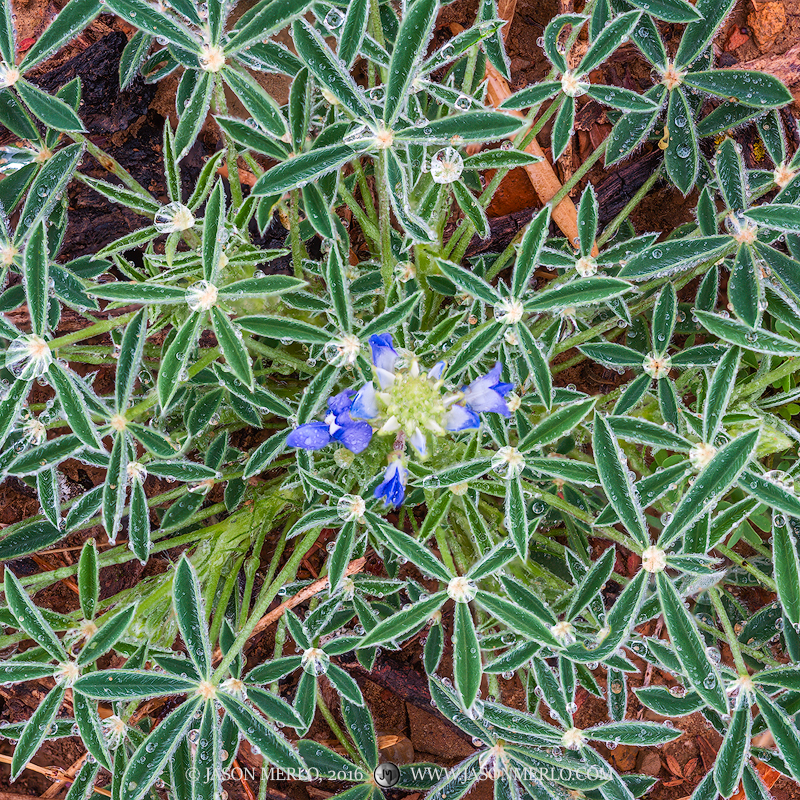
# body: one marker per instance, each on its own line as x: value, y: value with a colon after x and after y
x: 716, y: 601
x: 92, y: 330
x: 265, y: 597
x: 337, y: 731
x: 385, y: 225
x: 231, y: 156
x: 614, y: 225
x: 294, y: 233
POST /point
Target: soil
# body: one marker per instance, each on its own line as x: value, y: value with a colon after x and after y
x: 129, y: 126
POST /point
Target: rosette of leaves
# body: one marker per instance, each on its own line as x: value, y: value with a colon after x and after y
x: 93, y: 638
x: 393, y: 123
x: 201, y: 736
x: 569, y: 82
x: 762, y: 276
x: 684, y: 81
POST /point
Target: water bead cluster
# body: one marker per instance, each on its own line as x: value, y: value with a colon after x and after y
x: 402, y: 401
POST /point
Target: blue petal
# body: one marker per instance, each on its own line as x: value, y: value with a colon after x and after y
x: 393, y: 488
x: 460, y: 419
x: 311, y: 436
x: 340, y: 403
x: 355, y: 436
x: 435, y: 372
x: 483, y: 393
x: 365, y: 404
x: 383, y: 353
x: 503, y: 388
x: 419, y: 442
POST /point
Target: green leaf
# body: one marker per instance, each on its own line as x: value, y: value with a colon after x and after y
x: 358, y: 720
x: 401, y: 622
x: 778, y: 216
x: 172, y: 365
x: 608, y: 40
x: 353, y: 30
x: 529, y: 250
x: 233, y: 347
x: 664, y: 316
x: 618, y: 486
x: 668, y: 10
x: 7, y: 41
x: 328, y: 69
x: 713, y: 481
x: 131, y: 684
x: 115, y: 487
x: 36, y: 276
x: 783, y: 731
x: 152, y: 755
x: 37, y: 730
x: 52, y: 111
x: 191, y: 617
x: 472, y: 209
x: 516, y: 517
x: 563, y: 127
x: 470, y: 126
x: 467, y: 670
x: 787, y: 569
x: 518, y: 619
x: 405, y: 545
x: 668, y: 257
x: 390, y: 319
x: 689, y: 646
x: 130, y: 359
x: 638, y: 734
x: 731, y: 175
x: 255, y: 729
x: 409, y: 49
x: 532, y: 95
x: 631, y: 129
x: 139, y: 523
x: 582, y: 291
x: 741, y: 86
x: 469, y: 282
x: 261, y: 286
x: 474, y: 349
x: 663, y: 702
x: 681, y: 155
x: 283, y: 328
x: 107, y: 636
x: 30, y: 619
x: 91, y: 730
x: 744, y: 287
x: 733, y: 753
x: 538, y: 363
x: 74, y: 406
x: 150, y: 293
x: 641, y: 431
x: 260, y: 106
x: 502, y: 159
x: 146, y: 17
x: 265, y: 454
x: 194, y: 114
x: 30, y: 538
x: 297, y: 171
x: 213, y: 229
x: 88, y: 580
x: 44, y: 456
x: 760, y: 341
x: 557, y: 424
x: 263, y: 20
x: 719, y: 393
x: 594, y: 580
x: 125, y: 197
x: 698, y: 35
x: 47, y: 187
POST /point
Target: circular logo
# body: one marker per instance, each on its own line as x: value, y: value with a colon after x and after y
x: 387, y: 775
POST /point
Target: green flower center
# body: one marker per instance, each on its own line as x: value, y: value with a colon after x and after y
x: 415, y: 401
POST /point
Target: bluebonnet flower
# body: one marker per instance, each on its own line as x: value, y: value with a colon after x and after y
x: 338, y: 426
x: 393, y: 487
x: 407, y: 400
x: 488, y: 392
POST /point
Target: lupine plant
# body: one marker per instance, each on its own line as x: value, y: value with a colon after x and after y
x: 405, y: 406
